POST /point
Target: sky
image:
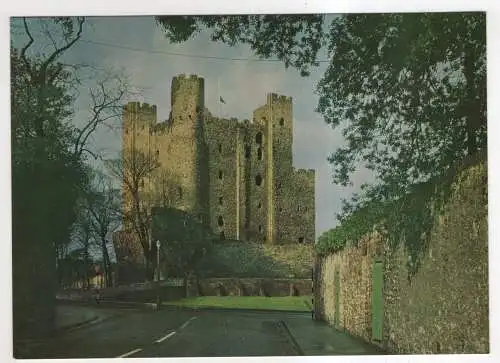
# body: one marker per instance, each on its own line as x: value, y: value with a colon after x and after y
x: 137, y: 47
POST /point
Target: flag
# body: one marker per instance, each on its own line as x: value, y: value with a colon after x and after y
x: 221, y: 99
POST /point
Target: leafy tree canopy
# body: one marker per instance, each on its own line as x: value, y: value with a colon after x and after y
x: 408, y: 92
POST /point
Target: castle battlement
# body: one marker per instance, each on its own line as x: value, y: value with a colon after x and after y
x: 138, y: 107
x: 273, y: 98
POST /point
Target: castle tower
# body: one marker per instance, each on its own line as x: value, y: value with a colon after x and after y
x: 180, y: 146
x: 138, y: 121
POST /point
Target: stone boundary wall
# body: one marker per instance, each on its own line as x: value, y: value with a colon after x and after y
x: 443, y: 308
x: 355, y: 268
x: 250, y: 287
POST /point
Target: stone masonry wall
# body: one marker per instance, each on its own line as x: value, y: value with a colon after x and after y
x: 444, y: 307
x: 354, y: 266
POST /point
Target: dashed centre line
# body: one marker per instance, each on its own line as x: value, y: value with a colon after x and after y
x: 187, y: 322
x: 128, y: 354
x: 165, y: 337
x: 169, y: 335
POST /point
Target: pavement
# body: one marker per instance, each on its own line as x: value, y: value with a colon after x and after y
x: 105, y: 332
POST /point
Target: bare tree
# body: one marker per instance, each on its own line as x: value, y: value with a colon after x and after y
x: 166, y: 189
x: 83, y: 235
x: 102, y: 207
x: 133, y: 170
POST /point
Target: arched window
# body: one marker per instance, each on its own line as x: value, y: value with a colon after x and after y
x: 258, y: 180
x: 259, y: 153
x: 220, y: 221
x: 258, y: 138
x: 282, y: 121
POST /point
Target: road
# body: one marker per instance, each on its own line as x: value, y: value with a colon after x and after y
x: 167, y: 333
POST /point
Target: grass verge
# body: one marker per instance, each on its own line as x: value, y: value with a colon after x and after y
x: 294, y: 303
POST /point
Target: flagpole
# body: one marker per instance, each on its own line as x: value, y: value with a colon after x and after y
x: 218, y: 91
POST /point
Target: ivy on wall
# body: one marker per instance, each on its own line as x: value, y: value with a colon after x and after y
x: 407, y: 220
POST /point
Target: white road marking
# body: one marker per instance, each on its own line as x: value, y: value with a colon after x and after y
x: 129, y: 353
x: 166, y: 337
x: 187, y: 322
x: 172, y: 333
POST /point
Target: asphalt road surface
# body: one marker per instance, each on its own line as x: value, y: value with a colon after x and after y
x: 167, y: 333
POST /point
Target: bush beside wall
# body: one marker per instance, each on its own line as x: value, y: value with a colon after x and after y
x: 244, y: 259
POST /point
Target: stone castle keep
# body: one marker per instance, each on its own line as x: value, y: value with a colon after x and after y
x: 237, y: 177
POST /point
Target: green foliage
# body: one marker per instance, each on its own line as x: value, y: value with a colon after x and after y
x: 410, y: 93
x: 294, y: 303
x: 293, y: 39
x: 184, y: 241
x: 352, y: 227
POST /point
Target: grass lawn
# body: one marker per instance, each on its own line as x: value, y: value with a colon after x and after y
x: 299, y: 303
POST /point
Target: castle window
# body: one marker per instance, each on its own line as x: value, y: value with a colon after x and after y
x: 260, y: 229
x: 142, y: 183
x: 298, y: 208
x: 221, y: 200
x: 282, y: 121
x: 260, y: 205
x: 220, y: 148
x: 258, y: 180
x: 220, y: 174
x: 157, y: 152
x: 258, y: 138
x: 301, y: 239
x: 126, y: 131
x: 220, y: 221
x: 247, y: 151
x: 259, y: 153
x: 280, y: 209
x: 179, y: 189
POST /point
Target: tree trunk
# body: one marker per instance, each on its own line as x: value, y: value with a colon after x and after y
x: 472, y: 111
x: 107, y: 263
x: 86, y: 283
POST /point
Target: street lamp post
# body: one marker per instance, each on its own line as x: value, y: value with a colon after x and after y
x: 158, y: 300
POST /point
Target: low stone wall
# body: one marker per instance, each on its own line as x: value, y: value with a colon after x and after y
x: 141, y: 292
x: 250, y: 287
x: 443, y: 308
